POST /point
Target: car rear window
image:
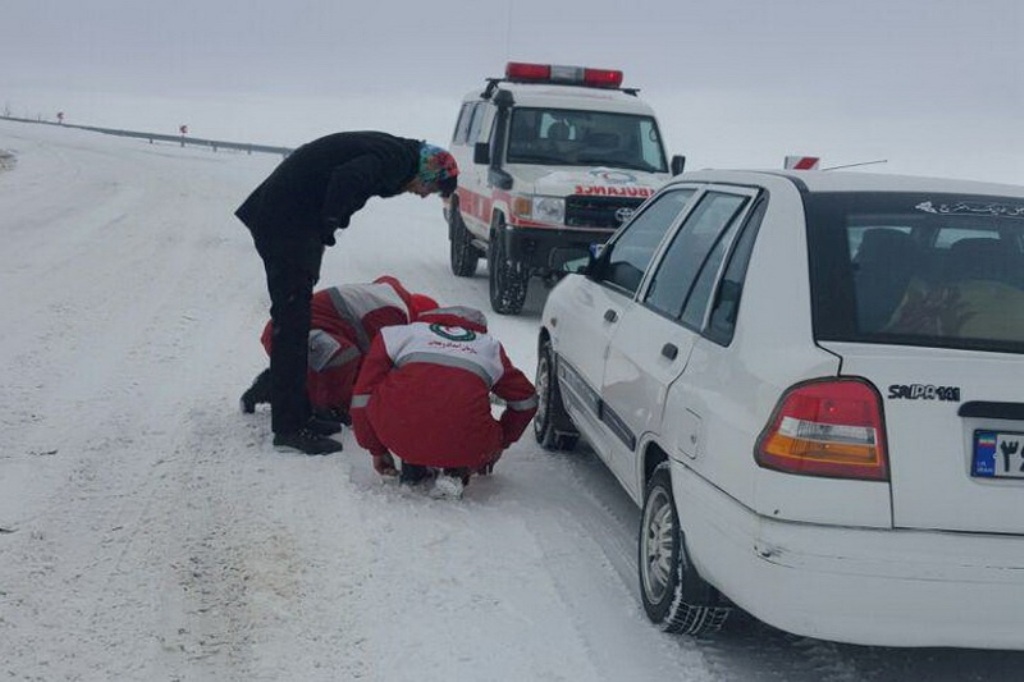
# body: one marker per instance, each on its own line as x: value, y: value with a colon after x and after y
x: 929, y: 270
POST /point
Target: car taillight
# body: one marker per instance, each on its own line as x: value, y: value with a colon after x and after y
x: 830, y: 427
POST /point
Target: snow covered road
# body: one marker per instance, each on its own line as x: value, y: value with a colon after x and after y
x: 149, y: 531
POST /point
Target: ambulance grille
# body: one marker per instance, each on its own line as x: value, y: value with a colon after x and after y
x: 602, y: 212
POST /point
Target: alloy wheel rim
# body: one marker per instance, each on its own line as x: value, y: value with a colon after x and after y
x: 659, y: 532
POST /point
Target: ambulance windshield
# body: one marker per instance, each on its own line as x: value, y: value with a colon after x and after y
x: 569, y: 137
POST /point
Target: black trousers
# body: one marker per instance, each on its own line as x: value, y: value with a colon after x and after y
x: 292, y: 262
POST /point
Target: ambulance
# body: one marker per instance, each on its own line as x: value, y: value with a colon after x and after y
x: 552, y: 159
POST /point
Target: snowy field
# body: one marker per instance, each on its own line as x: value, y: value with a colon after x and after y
x: 149, y: 531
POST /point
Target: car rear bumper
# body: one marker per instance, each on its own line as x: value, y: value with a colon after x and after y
x: 857, y: 585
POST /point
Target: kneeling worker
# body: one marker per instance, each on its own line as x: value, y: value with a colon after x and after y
x: 345, y: 319
x: 423, y: 394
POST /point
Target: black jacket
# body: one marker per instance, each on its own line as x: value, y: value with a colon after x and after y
x: 321, y: 184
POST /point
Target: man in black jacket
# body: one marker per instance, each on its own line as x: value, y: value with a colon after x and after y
x: 292, y: 216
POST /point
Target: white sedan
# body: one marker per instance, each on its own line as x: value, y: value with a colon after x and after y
x: 813, y: 384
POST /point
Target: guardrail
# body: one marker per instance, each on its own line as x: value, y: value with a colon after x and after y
x: 183, y: 140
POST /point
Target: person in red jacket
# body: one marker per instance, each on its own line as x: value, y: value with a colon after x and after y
x: 345, y: 319
x: 423, y: 394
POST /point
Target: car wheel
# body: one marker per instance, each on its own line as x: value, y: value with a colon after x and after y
x: 463, y: 254
x: 507, y: 278
x: 551, y: 425
x: 675, y: 597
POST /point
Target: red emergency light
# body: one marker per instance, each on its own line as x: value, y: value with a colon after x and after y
x: 523, y: 72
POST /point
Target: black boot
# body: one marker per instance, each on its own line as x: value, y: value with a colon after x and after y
x: 412, y: 474
x: 258, y: 393
x: 334, y: 414
x: 305, y: 440
x: 322, y: 426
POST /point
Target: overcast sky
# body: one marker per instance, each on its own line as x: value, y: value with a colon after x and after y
x: 945, y: 65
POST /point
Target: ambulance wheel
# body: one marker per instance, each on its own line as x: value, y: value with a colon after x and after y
x: 675, y: 597
x: 552, y: 426
x: 464, y: 255
x: 507, y: 279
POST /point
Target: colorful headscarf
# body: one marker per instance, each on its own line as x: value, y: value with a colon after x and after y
x: 438, y: 169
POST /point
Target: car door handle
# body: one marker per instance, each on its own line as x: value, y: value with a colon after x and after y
x: 610, y: 315
x: 670, y: 351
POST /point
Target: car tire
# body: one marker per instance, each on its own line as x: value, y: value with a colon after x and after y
x: 507, y: 279
x: 463, y: 254
x: 552, y: 426
x: 674, y: 595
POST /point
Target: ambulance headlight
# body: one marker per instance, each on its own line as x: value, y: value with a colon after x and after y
x: 549, y: 210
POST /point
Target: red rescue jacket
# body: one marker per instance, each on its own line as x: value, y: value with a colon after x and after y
x: 345, y: 319
x: 424, y: 393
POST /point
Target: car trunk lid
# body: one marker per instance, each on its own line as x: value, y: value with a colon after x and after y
x: 954, y: 423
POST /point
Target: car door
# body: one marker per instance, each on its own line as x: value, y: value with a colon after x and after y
x: 651, y: 345
x: 591, y: 307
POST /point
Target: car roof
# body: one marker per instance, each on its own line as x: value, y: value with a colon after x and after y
x: 570, y: 97
x: 850, y: 181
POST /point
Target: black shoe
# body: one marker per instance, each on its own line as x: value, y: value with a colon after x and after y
x: 324, y: 427
x: 258, y: 393
x: 334, y: 415
x: 461, y: 473
x: 412, y: 474
x: 305, y: 440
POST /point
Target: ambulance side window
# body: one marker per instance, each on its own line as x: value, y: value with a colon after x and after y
x: 462, y: 124
x: 650, y: 145
x: 479, y: 111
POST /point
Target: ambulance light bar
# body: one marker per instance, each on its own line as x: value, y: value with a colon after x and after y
x: 524, y: 72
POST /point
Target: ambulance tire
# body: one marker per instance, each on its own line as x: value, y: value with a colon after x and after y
x: 464, y: 255
x: 507, y: 279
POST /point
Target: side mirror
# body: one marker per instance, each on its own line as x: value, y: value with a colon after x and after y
x: 678, y: 164
x: 482, y: 153
x: 594, y: 262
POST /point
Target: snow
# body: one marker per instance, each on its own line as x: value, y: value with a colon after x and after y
x: 151, y: 532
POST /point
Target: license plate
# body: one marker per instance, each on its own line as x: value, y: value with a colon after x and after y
x: 998, y: 454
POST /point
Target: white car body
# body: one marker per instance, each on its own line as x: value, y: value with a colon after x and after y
x: 927, y: 553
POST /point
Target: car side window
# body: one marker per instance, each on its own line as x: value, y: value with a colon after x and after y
x: 628, y: 256
x: 692, y: 247
x: 722, y: 323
